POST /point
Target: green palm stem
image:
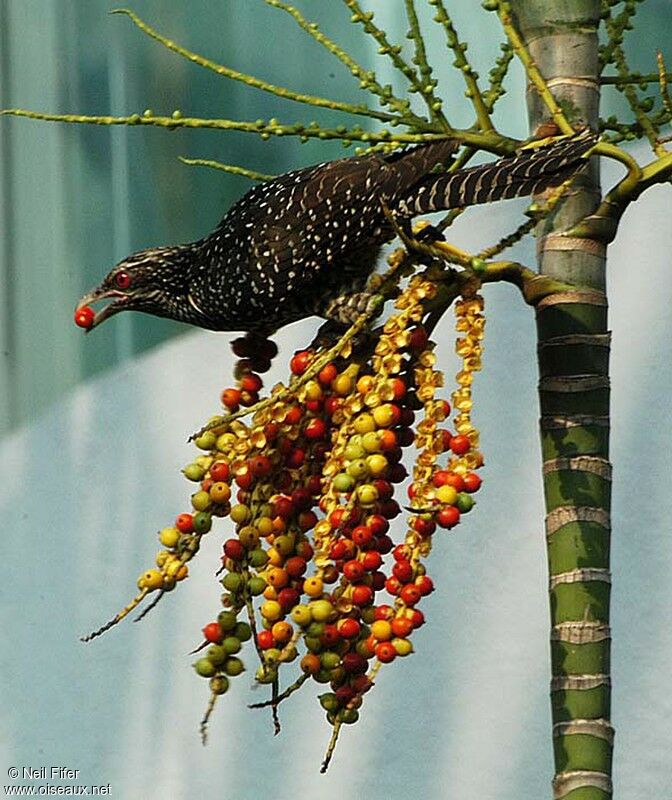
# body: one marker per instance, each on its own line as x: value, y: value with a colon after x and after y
x: 573, y: 356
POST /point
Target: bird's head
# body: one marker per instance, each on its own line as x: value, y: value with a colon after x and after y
x: 154, y: 281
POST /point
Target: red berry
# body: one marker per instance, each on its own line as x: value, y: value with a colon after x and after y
x: 338, y: 550
x: 378, y: 524
x: 327, y: 374
x: 293, y: 415
x: 418, y: 339
x: 234, y: 550
x: 384, y: 544
x: 392, y: 586
x: 271, y: 431
x: 460, y: 444
x: 184, y: 523
x: 244, y: 477
x: 345, y: 694
x: 400, y: 553
x: 384, y: 488
x: 383, y: 612
x: 231, y: 399
x: 354, y: 663
x: 385, y: 652
x: 362, y: 595
x: 288, y: 598
x: 388, y: 440
x: 332, y: 405
x: 403, y: 571
x: 265, y: 640
x: 472, y: 482
x: 283, y: 507
x: 371, y: 560
x: 417, y: 618
x: 425, y: 527
x: 398, y: 388
x: 446, y: 478
x: 302, y: 499
x: 259, y: 466
x: 348, y: 628
x: 84, y: 317
x: 448, y: 517
x: 213, y: 632
x: 296, y: 458
x: 410, y: 594
x: 295, y: 566
x: 316, y: 428
x: 220, y: 471
x: 362, y: 535
x: 330, y: 635
x: 299, y: 362
x: 354, y: 571
x: 250, y: 382
x: 378, y: 581
x: 425, y: 584
x: 307, y: 520
x: 401, y: 626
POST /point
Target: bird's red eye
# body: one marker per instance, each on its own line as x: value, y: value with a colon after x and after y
x: 122, y: 280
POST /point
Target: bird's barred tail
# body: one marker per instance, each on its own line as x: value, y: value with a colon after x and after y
x: 527, y: 172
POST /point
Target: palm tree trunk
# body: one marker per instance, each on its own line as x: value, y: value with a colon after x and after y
x: 573, y: 357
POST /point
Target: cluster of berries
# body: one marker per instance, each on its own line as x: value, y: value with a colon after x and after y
x: 313, y: 573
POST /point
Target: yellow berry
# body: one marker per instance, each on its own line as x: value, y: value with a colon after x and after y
x: 152, y: 579
x: 446, y: 494
x: 169, y: 537
x: 364, y: 423
x: 313, y: 587
x: 377, y: 464
x: 381, y: 630
x: 403, y: 646
x: 271, y: 610
x: 321, y: 610
x: 302, y: 615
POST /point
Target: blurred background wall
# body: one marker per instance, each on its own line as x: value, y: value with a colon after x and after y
x: 95, y: 430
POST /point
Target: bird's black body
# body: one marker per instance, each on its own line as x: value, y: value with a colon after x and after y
x: 290, y: 246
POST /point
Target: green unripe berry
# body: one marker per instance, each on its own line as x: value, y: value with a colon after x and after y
x: 329, y: 660
x: 344, y: 482
x: 193, y: 472
x: 202, y: 522
x: 206, y: 441
x: 227, y: 620
x: 256, y: 586
x: 329, y: 701
x: 219, y: 684
x: 242, y: 631
x: 200, y: 501
x: 465, y: 502
x: 231, y: 645
x: 217, y: 654
x: 233, y: 666
x: 258, y: 558
x: 205, y: 668
x: 232, y: 581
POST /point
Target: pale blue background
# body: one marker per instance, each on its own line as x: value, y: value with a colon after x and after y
x: 93, y: 470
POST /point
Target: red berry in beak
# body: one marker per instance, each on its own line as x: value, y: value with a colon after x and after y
x: 84, y: 317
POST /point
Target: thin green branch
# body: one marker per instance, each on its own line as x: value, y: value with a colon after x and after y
x: 263, y: 128
x: 367, y: 79
x: 251, y: 80
x: 634, y: 77
x: 461, y: 62
x: 616, y: 29
x: 428, y: 83
x: 232, y: 169
x: 639, y: 107
x: 386, y: 48
x: 534, y: 76
x: 663, y: 77
x: 497, y: 75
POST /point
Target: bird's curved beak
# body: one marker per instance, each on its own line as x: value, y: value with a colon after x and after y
x: 119, y: 300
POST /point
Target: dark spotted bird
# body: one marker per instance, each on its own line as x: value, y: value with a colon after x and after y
x: 306, y: 242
